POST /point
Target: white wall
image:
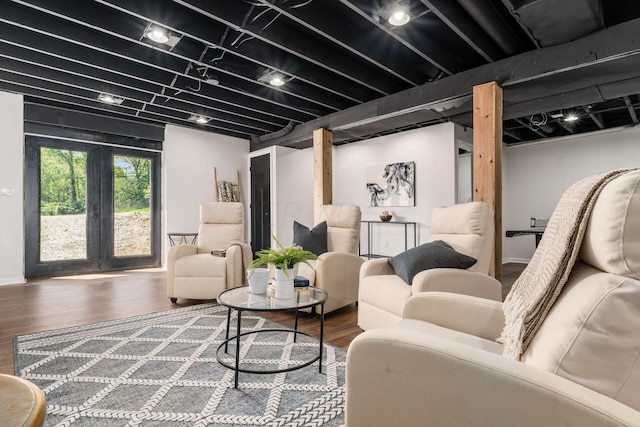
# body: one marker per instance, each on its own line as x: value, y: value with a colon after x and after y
x: 188, y: 159
x: 294, y: 191
x: 433, y: 149
x: 535, y: 176
x: 11, y: 180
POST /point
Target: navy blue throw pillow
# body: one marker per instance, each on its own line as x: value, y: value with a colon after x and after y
x: 436, y: 254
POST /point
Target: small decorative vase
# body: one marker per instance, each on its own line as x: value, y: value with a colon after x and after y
x: 258, y: 280
x: 284, y: 284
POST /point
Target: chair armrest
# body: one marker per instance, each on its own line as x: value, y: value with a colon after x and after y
x: 174, y: 254
x: 338, y: 274
x: 235, y: 269
x: 179, y: 251
x: 409, y: 379
x: 457, y: 281
x: 376, y: 267
x: 476, y: 316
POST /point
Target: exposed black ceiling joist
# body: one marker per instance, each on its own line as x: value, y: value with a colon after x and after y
x: 344, y: 64
x: 613, y: 44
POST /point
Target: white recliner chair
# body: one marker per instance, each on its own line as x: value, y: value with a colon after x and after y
x: 441, y: 365
x: 469, y: 229
x: 192, y: 271
x: 337, y: 270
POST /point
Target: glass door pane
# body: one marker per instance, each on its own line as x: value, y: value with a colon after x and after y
x: 132, y: 206
x: 63, y: 204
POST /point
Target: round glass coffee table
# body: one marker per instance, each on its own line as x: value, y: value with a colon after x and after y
x: 240, y: 299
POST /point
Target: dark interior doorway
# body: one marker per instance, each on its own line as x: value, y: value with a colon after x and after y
x: 260, y: 202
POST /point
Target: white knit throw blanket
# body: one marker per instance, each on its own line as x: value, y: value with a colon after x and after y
x: 539, y: 285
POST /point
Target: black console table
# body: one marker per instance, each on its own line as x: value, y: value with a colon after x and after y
x: 537, y: 231
x: 370, y: 226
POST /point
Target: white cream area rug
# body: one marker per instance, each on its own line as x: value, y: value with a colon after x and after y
x: 160, y: 369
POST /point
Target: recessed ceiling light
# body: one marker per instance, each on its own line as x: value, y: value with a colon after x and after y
x: 273, y: 77
x: 571, y: 117
x: 276, y: 80
x: 157, y: 34
x: 198, y: 118
x: 110, y: 99
x: 161, y: 35
x: 399, y: 17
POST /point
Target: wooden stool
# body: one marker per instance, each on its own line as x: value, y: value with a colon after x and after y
x: 21, y: 403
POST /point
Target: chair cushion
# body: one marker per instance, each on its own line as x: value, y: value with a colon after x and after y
x: 437, y: 254
x: 611, y: 241
x: 314, y: 240
x: 343, y: 227
x: 220, y: 224
x: 590, y: 335
x: 221, y: 213
x: 468, y: 228
x: 201, y: 265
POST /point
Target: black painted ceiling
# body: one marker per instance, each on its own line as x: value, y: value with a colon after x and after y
x: 346, y: 68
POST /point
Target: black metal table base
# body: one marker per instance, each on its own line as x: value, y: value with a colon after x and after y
x: 236, y: 366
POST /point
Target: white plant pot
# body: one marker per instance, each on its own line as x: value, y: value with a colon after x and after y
x: 258, y: 280
x: 284, y: 284
x: 284, y: 289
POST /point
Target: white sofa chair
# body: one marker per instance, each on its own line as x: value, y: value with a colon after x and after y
x: 337, y: 270
x: 192, y: 272
x: 441, y: 365
x: 469, y: 229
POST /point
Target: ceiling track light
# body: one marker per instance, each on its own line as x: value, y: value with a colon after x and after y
x: 198, y: 118
x: 108, y: 98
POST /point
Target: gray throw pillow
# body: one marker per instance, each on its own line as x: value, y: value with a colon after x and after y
x: 314, y: 240
x: 436, y: 254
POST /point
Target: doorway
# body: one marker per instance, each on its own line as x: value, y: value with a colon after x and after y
x: 89, y: 207
x: 260, y: 171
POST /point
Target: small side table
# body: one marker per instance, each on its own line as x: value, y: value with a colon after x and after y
x: 21, y: 402
x: 182, y: 238
x: 240, y: 299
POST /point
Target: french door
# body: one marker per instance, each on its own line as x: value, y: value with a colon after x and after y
x: 89, y: 207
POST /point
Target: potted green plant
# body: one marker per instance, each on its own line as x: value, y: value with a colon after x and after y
x: 282, y: 257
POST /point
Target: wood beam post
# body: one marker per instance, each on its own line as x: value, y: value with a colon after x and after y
x: 487, y: 159
x: 322, y: 170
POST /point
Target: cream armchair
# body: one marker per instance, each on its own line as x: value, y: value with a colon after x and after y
x: 441, y: 365
x: 193, y: 272
x: 468, y: 228
x: 337, y: 270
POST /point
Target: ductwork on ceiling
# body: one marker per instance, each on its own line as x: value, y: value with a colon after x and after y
x: 553, y: 22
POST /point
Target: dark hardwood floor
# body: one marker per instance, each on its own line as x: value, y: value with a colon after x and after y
x: 60, y: 302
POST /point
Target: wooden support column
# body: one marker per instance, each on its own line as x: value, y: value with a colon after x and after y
x: 322, y: 170
x: 487, y: 159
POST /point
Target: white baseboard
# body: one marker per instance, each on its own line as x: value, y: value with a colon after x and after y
x: 13, y: 281
x: 516, y: 260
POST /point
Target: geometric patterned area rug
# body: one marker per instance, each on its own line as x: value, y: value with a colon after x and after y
x: 160, y: 369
